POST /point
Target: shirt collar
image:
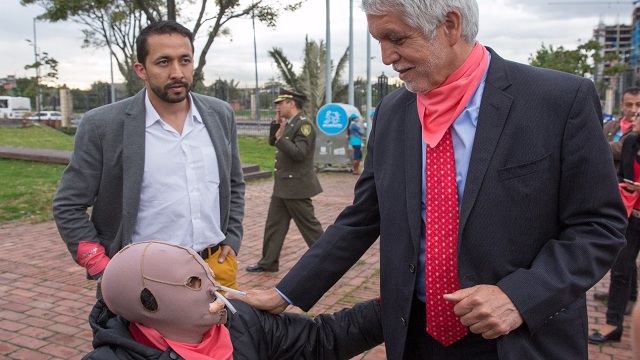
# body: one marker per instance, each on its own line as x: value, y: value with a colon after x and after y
x: 152, y: 116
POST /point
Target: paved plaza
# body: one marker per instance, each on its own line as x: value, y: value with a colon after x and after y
x: 45, y: 298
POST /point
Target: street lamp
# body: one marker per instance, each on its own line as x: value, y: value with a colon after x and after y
x: 255, y: 60
x: 328, y: 94
x: 383, y: 86
x: 109, y: 44
x: 368, y: 114
x: 351, y: 90
x: 35, y: 52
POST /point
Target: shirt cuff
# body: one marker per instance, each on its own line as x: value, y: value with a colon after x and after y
x: 284, y: 297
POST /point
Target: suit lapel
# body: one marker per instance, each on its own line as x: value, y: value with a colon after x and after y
x: 413, y: 166
x: 219, y: 141
x: 494, y: 110
x: 133, y: 148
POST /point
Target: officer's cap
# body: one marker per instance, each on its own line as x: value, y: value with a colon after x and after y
x: 286, y: 94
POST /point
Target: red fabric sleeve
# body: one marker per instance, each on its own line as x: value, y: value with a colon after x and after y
x: 92, y: 257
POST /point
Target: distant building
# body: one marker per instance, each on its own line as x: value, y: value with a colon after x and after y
x: 8, y: 83
x: 614, y: 39
x: 623, y: 41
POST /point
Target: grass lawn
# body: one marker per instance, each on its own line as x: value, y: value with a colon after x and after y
x: 256, y: 150
x: 42, y: 137
x: 27, y: 188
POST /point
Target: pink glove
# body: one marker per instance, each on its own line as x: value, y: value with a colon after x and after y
x: 92, y: 257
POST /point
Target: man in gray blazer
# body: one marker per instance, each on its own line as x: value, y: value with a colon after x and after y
x: 161, y: 165
x: 539, y: 219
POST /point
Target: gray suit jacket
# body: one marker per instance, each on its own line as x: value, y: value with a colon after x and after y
x: 107, y: 165
x: 541, y: 215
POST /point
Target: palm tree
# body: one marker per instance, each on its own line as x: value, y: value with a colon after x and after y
x: 311, y: 80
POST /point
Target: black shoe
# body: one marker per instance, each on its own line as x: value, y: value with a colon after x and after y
x: 258, y: 268
x: 597, y: 338
x: 601, y: 295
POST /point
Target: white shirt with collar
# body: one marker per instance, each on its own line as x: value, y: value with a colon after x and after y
x: 179, y: 198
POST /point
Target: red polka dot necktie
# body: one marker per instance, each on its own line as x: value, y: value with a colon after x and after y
x: 441, y: 264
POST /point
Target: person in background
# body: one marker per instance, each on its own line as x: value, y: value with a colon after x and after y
x: 493, y: 217
x: 623, y: 269
x: 355, y: 141
x: 616, y: 131
x: 163, y: 164
x: 161, y: 301
x: 294, y: 183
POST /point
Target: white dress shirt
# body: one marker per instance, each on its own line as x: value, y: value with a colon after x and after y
x: 179, y: 199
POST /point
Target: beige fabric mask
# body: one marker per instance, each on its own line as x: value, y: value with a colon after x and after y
x: 181, y: 282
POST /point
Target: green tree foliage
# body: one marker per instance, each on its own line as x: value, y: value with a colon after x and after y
x: 581, y: 61
x: 570, y: 61
x: 118, y: 22
x: 47, y: 64
x: 226, y: 90
x: 312, y: 78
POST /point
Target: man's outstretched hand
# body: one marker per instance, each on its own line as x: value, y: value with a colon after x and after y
x: 269, y: 300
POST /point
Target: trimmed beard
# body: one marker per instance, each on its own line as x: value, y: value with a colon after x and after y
x: 163, y: 92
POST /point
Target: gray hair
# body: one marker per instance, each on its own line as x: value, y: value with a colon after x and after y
x: 428, y: 14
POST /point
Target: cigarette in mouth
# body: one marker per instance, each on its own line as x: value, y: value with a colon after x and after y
x: 226, y: 302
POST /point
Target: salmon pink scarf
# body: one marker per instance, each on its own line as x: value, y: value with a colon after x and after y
x: 440, y: 107
x: 215, y: 345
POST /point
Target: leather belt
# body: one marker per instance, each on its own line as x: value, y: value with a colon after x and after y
x: 206, y: 253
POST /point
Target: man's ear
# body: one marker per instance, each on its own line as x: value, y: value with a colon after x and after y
x: 453, y: 26
x: 140, y: 71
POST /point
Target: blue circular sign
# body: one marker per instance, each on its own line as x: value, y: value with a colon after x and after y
x: 332, y: 119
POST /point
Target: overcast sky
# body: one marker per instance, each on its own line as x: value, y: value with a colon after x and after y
x: 513, y: 28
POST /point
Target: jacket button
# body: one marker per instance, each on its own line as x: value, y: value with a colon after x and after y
x: 412, y: 268
x: 173, y: 355
x: 290, y: 176
x: 286, y: 137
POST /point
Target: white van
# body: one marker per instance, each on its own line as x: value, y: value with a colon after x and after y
x: 12, y: 107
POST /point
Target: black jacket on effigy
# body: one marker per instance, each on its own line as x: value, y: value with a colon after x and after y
x: 256, y: 334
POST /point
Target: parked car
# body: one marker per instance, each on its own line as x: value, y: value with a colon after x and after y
x: 46, y: 115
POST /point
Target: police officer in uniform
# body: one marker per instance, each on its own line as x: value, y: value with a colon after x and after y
x: 294, y: 137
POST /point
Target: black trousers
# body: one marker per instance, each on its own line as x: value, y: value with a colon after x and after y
x: 421, y: 345
x: 620, y: 285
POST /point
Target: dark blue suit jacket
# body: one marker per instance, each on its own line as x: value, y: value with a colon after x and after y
x: 541, y: 216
